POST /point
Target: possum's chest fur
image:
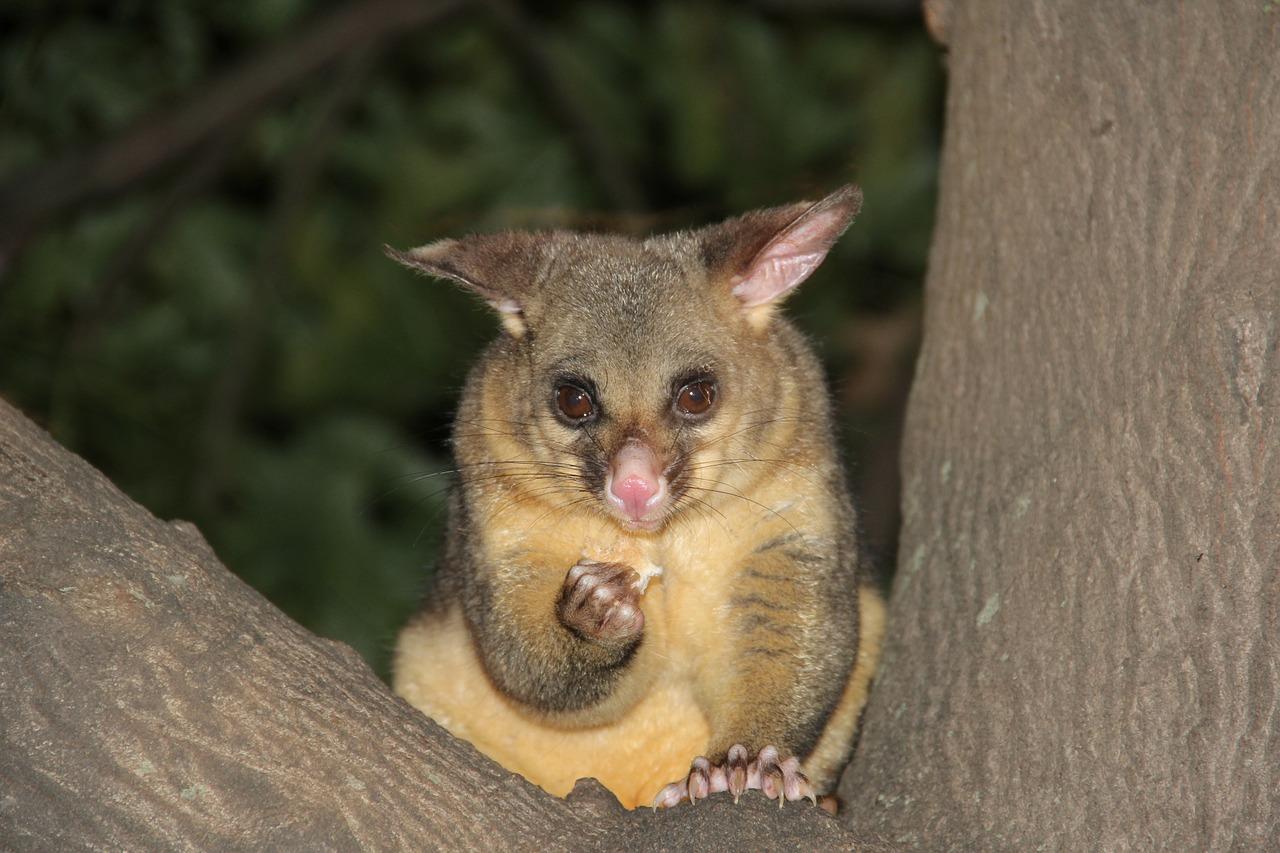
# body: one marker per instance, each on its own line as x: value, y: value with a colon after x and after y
x: 635, y: 752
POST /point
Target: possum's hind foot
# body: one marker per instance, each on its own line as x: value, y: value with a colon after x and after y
x: 778, y: 779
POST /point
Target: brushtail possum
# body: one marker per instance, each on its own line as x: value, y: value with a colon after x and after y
x: 652, y: 573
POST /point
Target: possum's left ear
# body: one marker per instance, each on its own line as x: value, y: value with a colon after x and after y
x: 764, y: 255
x: 501, y: 268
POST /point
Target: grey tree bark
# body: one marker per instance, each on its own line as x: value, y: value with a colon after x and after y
x: 1084, y: 644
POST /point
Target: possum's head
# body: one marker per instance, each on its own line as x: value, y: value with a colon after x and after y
x: 635, y: 375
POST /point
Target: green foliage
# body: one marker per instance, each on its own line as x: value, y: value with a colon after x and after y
x: 339, y: 524
x: 239, y: 353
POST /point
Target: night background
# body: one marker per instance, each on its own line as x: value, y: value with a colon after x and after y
x: 194, y: 196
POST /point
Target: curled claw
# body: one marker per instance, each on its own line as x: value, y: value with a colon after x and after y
x: 795, y: 785
x: 704, y: 779
x: 699, y: 783
x: 719, y: 781
x: 736, y: 768
x: 670, y: 795
x: 771, y: 778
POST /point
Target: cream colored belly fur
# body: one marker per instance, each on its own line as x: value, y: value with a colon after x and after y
x: 650, y: 745
x: 647, y: 745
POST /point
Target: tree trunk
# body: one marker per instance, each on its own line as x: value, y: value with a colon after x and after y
x: 1084, y: 629
x: 150, y: 700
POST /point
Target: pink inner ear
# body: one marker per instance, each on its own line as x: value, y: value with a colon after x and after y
x: 790, y: 258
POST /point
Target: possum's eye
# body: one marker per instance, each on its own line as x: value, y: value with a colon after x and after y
x: 575, y: 404
x: 696, y: 398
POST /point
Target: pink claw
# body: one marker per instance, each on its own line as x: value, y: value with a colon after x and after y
x: 699, y: 780
x: 737, y: 770
x: 670, y: 795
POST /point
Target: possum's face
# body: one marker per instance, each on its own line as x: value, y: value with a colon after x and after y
x: 633, y: 368
x: 636, y: 376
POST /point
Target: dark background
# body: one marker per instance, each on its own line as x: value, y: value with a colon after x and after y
x: 206, y: 314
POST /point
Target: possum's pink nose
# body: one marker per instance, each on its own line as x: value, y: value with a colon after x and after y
x: 635, y: 485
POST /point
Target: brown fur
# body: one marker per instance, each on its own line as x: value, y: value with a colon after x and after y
x: 760, y: 628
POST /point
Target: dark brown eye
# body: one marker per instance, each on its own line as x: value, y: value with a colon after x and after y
x: 575, y: 404
x: 696, y: 398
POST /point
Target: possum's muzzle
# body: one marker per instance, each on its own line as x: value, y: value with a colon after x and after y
x: 636, y: 489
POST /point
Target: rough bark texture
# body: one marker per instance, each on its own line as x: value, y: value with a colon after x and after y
x: 149, y: 700
x: 1084, y: 640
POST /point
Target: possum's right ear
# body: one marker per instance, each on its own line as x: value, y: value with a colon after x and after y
x: 764, y: 255
x: 499, y: 267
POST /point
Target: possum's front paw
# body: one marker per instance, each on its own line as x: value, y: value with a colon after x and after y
x: 775, y: 777
x: 601, y: 601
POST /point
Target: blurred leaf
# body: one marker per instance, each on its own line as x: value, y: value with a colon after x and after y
x: 339, y: 527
